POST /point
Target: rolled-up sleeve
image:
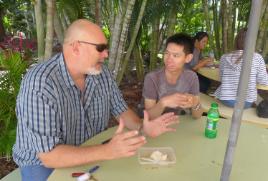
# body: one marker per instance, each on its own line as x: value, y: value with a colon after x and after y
x: 40, y: 121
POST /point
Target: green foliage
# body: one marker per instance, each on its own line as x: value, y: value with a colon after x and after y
x: 187, y: 22
x: 16, y: 14
x: 75, y: 9
x: 106, y: 31
x: 14, y: 68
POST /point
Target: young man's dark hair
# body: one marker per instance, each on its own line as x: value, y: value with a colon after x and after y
x: 184, y: 40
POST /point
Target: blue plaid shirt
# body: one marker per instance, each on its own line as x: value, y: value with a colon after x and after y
x: 51, y: 110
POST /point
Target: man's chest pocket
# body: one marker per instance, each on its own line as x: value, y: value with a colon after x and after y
x: 100, y: 107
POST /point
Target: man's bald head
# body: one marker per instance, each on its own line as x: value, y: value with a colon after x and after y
x: 81, y: 50
x: 84, y: 30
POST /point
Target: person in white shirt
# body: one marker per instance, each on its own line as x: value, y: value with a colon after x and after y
x: 230, y: 68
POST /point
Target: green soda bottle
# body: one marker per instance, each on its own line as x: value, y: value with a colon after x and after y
x: 213, y: 117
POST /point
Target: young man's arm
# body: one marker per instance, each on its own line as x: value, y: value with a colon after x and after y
x: 154, y: 109
x: 202, y: 63
x: 175, y: 100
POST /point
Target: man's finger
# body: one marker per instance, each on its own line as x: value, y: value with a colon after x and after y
x: 135, y: 140
x: 129, y: 134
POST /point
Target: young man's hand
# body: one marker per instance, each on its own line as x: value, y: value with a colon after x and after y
x: 124, y: 144
x: 180, y: 100
x: 160, y: 125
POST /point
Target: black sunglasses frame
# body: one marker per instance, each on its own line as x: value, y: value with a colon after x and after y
x: 99, y: 47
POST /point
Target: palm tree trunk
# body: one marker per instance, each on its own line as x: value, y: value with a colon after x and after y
x: 63, y: 21
x: 154, y: 44
x: 263, y: 36
x: 2, y: 28
x: 110, y: 13
x: 230, y: 32
x: 207, y: 19
x: 262, y: 31
x: 50, y: 28
x: 234, y: 23
x: 39, y: 29
x: 115, y: 39
x: 216, y: 27
x: 265, y: 50
x: 123, y: 37
x: 132, y: 42
x: 28, y: 27
x: 66, y: 17
x: 33, y: 17
x: 139, y: 62
x: 58, y: 27
x: 162, y: 33
x: 224, y: 25
x: 98, y: 12
x: 171, y: 22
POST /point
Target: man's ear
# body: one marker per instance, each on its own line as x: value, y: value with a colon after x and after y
x: 75, y: 47
x: 189, y: 57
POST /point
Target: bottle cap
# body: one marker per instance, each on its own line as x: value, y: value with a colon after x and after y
x: 214, y: 105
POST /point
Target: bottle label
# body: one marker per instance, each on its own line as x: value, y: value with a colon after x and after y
x: 211, y: 125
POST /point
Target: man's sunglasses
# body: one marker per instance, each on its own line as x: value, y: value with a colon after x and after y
x: 99, y: 47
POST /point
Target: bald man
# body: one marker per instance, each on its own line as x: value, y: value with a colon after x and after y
x: 67, y: 100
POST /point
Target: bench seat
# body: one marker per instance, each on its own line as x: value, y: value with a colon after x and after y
x: 249, y: 115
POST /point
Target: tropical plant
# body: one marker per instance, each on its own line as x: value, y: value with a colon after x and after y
x: 14, y: 68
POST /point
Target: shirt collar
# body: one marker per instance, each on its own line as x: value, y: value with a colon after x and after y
x: 65, y: 73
